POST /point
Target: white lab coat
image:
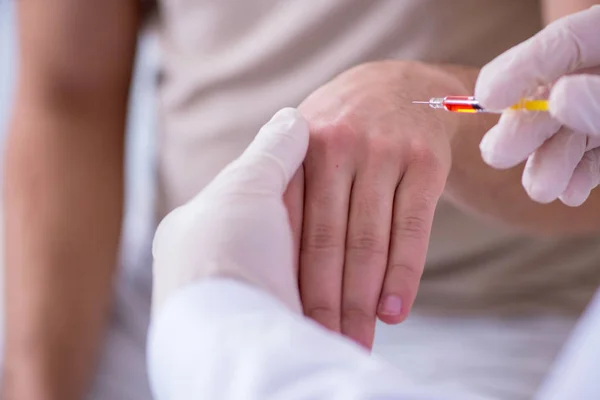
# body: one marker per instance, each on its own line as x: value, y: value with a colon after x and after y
x: 224, y: 340
x: 576, y: 374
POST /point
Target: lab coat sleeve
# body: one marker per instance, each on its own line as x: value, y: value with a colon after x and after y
x: 576, y: 373
x: 225, y: 340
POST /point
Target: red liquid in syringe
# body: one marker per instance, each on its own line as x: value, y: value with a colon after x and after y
x: 462, y: 104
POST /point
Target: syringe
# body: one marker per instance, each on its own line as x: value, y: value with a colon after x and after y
x: 468, y: 104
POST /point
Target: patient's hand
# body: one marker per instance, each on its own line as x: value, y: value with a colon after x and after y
x: 375, y: 169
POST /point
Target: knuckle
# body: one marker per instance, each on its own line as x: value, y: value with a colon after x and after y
x: 321, y: 237
x: 411, y: 226
x: 424, y: 202
x: 405, y: 271
x: 423, y: 154
x: 335, y: 137
x: 367, y: 242
x: 433, y: 163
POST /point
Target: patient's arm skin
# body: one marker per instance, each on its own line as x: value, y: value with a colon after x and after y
x: 555, y: 9
x: 64, y: 190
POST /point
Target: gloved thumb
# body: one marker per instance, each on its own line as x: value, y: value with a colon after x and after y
x: 575, y: 102
x: 272, y: 159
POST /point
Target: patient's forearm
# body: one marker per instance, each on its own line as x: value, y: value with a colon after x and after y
x: 555, y: 9
x: 499, y: 195
x: 63, y: 200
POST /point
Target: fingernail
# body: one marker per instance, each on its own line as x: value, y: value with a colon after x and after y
x: 391, y: 305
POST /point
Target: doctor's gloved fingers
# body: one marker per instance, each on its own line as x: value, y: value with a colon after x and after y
x: 273, y: 157
x: 326, y: 203
x: 414, y: 207
x: 575, y: 101
x: 585, y: 178
x: 367, y: 245
x: 548, y: 171
x: 516, y: 136
x: 563, y: 47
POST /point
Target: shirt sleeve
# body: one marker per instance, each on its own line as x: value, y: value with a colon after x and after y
x: 225, y: 340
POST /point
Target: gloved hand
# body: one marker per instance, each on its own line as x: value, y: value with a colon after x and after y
x: 561, y: 147
x: 238, y: 226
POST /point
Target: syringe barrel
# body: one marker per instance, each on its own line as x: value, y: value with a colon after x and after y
x: 462, y: 104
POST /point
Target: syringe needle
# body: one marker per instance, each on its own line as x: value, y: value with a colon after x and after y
x: 420, y: 102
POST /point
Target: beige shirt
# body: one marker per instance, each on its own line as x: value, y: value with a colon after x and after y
x: 228, y: 65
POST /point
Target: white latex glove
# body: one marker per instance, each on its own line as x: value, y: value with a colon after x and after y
x: 238, y: 226
x: 561, y: 147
